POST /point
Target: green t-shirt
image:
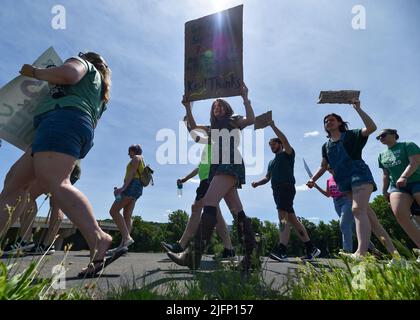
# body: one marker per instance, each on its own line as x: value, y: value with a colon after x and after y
x: 353, y: 142
x: 395, y: 160
x: 281, y: 168
x: 204, y: 166
x: 85, y: 95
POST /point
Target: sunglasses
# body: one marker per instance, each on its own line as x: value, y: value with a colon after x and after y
x: 83, y: 56
x: 381, y: 136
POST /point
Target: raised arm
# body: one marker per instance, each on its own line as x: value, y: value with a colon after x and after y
x: 370, y: 126
x: 286, y: 145
x: 190, y: 118
x: 249, y: 118
x: 71, y: 72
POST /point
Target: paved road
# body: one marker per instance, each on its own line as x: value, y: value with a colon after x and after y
x: 139, y: 269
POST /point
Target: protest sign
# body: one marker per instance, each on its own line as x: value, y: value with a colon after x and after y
x: 18, y: 101
x: 263, y: 120
x: 340, y: 97
x: 213, y: 55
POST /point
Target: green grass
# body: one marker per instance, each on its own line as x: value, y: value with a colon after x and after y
x: 400, y: 281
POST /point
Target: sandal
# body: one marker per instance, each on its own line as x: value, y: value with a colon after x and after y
x: 97, y: 266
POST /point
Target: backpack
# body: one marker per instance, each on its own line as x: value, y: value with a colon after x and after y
x: 146, y: 175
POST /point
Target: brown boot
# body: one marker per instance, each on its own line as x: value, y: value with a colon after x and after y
x: 188, y: 258
x: 192, y: 257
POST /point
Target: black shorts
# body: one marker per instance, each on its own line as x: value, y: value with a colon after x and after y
x: 284, y: 194
x: 202, y: 189
x: 415, y: 209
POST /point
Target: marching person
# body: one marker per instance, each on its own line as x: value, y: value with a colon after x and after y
x: 281, y: 174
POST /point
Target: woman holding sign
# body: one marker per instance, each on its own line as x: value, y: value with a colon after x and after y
x: 343, y: 152
x: 64, y: 128
x: 227, y: 174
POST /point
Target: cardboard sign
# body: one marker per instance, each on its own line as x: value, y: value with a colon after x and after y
x: 18, y: 101
x: 340, y: 97
x: 213, y: 55
x: 263, y: 120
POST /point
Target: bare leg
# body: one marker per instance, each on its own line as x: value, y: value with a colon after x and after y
x: 119, y: 219
x: 57, y: 216
x: 192, y: 225
x: 27, y: 219
x: 53, y: 172
x: 20, y: 175
x: 222, y: 230
x: 360, y: 196
x: 300, y: 228
x: 128, y: 215
x: 380, y: 232
x: 401, y: 204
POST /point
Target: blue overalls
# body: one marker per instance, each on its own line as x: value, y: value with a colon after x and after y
x: 348, y: 173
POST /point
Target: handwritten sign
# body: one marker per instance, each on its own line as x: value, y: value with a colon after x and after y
x: 340, y: 97
x: 18, y: 101
x: 213, y: 55
x: 263, y: 120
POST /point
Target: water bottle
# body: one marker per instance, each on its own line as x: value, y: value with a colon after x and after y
x: 117, y: 196
x: 179, y: 189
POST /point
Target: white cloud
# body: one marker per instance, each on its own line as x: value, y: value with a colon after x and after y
x: 302, y: 187
x: 313, y: 219
x: 311, y: 134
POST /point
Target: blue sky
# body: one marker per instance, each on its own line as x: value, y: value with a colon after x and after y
x: 292, y: 50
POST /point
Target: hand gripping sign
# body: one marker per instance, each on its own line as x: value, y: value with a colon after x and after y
x: 18, y: 101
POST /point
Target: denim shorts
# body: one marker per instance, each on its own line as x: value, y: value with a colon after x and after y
x: 284, y: 194
x: 64, y: 130
x: 134, y: 190
x: 358, y: 175
x: 410, y: 188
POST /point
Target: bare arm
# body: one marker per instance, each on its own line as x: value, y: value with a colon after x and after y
x: 249, y: 118
x: 71, y: 72
x: 263, y: 181
x: 189, y: 176
x: 370, y: 125
x: 190, y: 118
x: 318, y: 174
x: 385, y: 183
x: 286, y: 145
x: 409, y: 170
x: 324, y: 192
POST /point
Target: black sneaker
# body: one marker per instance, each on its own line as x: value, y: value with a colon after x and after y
x: 19, y: 246
x: 315, y: 253
x: 228, y: 253
x: 172, y: 247
x: 40, y: 250
x: 278, y: 256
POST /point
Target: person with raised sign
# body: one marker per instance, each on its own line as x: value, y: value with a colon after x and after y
x: 343, y: 152
x: 281, y: 174
x: 227, y: 175
x: 127, y: 195
x: 64, y: 128
x: 400, y: 163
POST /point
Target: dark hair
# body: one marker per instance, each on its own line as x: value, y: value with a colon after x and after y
x: 224, y: 104
x: 277, y: 140
x: 344, y: 124
x: 136, y: 148
x: 389, y: 131
x: 102, y: 66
